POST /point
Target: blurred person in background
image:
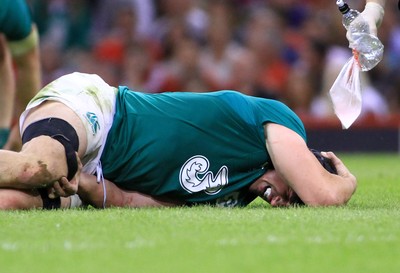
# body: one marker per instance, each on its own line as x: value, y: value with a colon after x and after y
x: 271, y: 46
x: 179, y: 29
x: 262, y: 36
x: 190, y: 13
x: 183, y: 69
x: 122, y: 44
x: 20, y: 72
x: 180, y: 68
x: 385, y: 76
x: 221, y: 52
x: 373, y: 102
x: 337, y: 54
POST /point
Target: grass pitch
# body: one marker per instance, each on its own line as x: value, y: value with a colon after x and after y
x: 363, y: 236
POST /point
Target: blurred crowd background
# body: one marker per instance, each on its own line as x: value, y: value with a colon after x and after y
x: 291, y: 50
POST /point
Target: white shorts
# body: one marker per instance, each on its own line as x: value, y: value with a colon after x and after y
x: 92, y: 99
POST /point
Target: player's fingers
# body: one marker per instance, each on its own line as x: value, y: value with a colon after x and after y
x: 342, y: 170
x: 340, y: 167
x: 69, y: 187
x: 58, y: 189
x: 52, y: 193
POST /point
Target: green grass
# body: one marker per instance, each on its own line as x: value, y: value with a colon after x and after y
x: 363, y: 236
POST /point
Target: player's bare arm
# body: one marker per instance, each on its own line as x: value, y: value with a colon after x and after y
x: 91, y: 192
x: 303, y: 173
x: 12, y: 199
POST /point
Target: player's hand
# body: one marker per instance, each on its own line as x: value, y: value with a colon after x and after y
x: 65, y: 188
x: 341, y: 169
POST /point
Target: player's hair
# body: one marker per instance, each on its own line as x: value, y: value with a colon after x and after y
x: 326, y: 163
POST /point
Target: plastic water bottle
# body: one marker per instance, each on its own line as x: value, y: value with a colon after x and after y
x: 367, y: 48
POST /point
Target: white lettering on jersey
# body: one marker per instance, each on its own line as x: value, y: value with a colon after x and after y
x: 195, y: 177
x: 229, y: 201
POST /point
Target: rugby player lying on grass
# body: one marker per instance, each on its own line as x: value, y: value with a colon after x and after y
x: 221, y: 148
x: 270, y: 187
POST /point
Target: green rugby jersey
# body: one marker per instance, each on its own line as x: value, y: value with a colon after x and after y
x: 193, y: 147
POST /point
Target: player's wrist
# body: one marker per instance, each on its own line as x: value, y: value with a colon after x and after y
x: 75, y: 201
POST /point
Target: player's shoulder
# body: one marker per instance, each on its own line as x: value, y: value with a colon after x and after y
x: 231, y: 96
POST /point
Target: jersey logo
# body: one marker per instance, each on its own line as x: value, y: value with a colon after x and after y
x: 93, y: 121
x: 195, y: 177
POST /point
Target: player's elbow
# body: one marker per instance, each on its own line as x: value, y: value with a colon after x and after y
x: 334, y: 194
x: 332, y: 201
x: 330, y: 198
